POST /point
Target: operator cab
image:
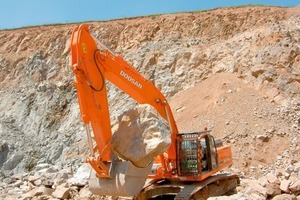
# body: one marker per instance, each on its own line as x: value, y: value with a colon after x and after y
x: 196, y: 153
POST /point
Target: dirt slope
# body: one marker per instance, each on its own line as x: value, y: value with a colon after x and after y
x: 238, y: 114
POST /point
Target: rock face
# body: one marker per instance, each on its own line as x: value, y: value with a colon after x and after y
x: 140, y: 136
x: 238, y: 67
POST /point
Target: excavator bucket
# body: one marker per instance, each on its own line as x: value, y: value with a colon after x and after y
x: 126, y: 180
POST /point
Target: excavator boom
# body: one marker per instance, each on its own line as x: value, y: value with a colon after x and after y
x: 92, y: 65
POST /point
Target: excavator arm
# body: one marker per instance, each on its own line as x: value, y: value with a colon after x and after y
x: 92, y: 65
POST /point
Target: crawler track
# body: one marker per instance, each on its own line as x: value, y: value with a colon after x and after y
x: 166, y: 189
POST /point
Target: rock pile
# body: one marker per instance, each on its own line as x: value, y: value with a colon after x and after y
x: 48, y: 182
x: 279, y: 185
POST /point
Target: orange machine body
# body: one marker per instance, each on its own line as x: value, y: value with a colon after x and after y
x: 92, y: 67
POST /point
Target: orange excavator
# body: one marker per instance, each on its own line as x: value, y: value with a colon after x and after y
x: 185, y: 171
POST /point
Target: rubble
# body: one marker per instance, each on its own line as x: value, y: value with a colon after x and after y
x: 271, y: 186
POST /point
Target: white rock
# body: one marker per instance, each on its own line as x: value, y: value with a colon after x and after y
x: 48, y: 182
x: 262, y: 138
x: 42, y: 166
x: 285, y: 197
x: 272, y: 178
x: 273, y: 189
x: 32, y: 194
x: 289, y: 169
x: 47, y: 191
x: 52, y: 169
x: 286, y: 175
x: 284, y: 185
x: 255, y: 188
x: 82, y: 175
x: 32, y: 179
x: 295, y: 187
x: 38, y: 182
x: 15, y: 191
x: 294, y: 177
x: 18, y: 183
x: 19, y: 176
x: 25, y: 188
x: 263, y: 181
x: 61, y: 193
x: 85, y: 193
x: 62, y: 175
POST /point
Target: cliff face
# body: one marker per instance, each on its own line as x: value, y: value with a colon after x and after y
x: 235, y: 70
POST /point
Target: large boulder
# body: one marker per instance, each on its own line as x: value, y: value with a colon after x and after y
x: 140, y: 135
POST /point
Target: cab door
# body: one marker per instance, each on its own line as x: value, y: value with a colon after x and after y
x: 209, y: 160
x: 213, y: 152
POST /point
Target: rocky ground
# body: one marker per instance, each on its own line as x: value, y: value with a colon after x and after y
x: 235, y: 71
